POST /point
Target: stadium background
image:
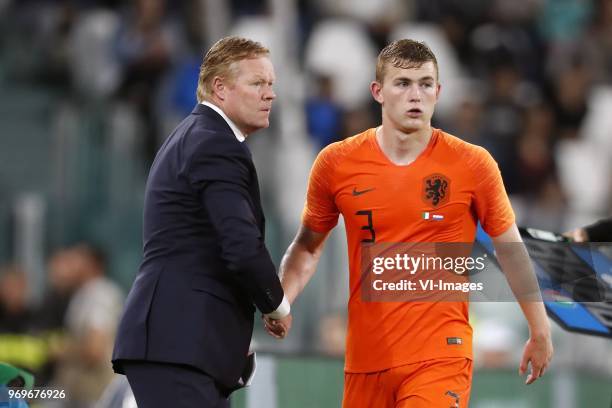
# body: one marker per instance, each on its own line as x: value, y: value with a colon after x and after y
x: 89, y: 89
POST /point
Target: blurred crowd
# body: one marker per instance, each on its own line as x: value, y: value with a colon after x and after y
x: 65, y: 340
x: 530, y: 80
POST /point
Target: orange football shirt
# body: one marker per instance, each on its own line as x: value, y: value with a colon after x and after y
x: 384, y: 202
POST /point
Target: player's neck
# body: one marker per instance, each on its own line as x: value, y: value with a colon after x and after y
x: 400, y: 147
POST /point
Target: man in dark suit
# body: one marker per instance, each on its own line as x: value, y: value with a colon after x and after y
x: 183, y: 340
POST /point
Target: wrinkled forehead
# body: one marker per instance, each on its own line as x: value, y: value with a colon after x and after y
x: 410, y: 69
x: 258, y: 67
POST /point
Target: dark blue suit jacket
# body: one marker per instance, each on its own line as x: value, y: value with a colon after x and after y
x: 205, y: 265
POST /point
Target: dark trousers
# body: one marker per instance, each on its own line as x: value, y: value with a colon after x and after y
x: 160, y: 385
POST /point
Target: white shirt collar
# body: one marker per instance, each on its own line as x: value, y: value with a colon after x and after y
x: 239, y: 135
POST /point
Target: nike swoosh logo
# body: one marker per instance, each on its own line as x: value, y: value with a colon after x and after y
x: 358, y: 193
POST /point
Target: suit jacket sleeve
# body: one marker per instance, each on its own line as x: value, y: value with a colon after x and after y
x: 221, y: 178
x: 601, y: 231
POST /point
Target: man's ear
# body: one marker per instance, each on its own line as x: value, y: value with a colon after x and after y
x: 438, y: 90
x: 219, y: 87
x: 375, y: 89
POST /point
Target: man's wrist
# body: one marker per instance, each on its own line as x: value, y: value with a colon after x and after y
x: 281, y: 311
x: 540, y: 333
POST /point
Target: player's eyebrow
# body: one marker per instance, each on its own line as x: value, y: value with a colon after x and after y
x: 424, y: 78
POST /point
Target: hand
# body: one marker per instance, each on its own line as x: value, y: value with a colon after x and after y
x: 278, y: 328
x: 577, y: 235
x: 538, y: 351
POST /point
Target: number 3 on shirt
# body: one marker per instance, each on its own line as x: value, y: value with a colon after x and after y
x: 369, y: 227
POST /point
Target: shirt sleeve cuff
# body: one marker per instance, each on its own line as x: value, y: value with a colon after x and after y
x: 281, y: 311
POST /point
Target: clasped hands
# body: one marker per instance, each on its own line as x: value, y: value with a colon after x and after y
x: 278, y: 328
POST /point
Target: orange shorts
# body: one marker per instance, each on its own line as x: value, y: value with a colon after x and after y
x: 443, y: 383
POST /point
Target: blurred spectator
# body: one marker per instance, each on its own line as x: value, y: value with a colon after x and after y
x: 597, y: 43
x: 56, y: 26
x: 377, y: 18
x: 583, y: 151
x: 186, y: 79
x: 15, y: 313
x: 563, y: 21
x: 508, y: 35
x: 248, y: 7
x: 569, y: 100
x: 467, y: 121
x: 357, y: 119
x: 584, y: 175
x: 457, y: 18
x: 342, y: 50
x: 534, y: 159
x: 365, y: 11
x: 145, y: 47
x: 63, y: 281
x: 177, y: 98
x: 502, y: 120
x: 19, y: 344
x: 85, y: 369
x: 93, y: 65
x: 323, y: 115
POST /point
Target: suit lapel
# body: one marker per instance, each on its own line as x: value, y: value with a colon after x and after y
x: 256, y: 199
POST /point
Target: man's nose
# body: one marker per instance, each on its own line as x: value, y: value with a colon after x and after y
x: 269, y: 94
x: 414, y: 92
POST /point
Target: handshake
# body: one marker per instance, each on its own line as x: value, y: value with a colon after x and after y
x: 277, y: 328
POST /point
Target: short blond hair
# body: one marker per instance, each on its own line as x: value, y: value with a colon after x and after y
x: 220, y: 57
x: 404, y: 54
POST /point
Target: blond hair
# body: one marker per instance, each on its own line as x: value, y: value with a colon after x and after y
x: 404, y: 54
x: 220, y: 57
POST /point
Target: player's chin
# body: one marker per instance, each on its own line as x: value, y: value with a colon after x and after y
x: 414, y: 119
x: 413, y: 125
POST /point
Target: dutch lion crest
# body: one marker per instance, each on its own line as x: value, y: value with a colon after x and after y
x: 436, y: 189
